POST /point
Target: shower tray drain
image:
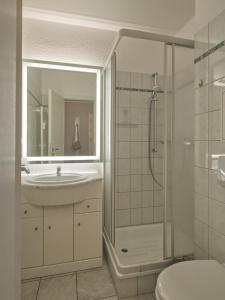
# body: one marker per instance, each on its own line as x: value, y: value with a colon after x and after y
x: 124, y: 250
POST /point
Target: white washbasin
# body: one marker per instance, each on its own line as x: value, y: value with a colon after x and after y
x: 66, y: 188
x: 52, y: 179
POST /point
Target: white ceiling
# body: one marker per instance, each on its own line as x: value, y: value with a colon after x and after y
x: 66, y: 43
x: 167, y: 15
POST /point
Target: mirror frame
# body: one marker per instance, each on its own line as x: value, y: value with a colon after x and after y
x: 63, y: 67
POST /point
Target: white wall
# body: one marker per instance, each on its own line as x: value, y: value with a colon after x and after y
x: 207, y: 10
x: 70, y: 85
x: 9, y: 211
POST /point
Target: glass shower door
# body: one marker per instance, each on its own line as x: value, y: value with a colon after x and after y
x: 178, y: 148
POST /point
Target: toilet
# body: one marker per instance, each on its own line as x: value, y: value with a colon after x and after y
x: 192, y: 280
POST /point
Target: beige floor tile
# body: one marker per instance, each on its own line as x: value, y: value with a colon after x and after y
x: 58, y: 288
x: 96, y: 284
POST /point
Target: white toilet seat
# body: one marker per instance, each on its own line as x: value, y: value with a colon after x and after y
x: 192, y: 280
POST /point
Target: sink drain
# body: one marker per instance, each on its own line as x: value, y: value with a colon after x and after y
x: 124, y: 250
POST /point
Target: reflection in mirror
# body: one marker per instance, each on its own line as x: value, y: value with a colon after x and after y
x: 60, y: 112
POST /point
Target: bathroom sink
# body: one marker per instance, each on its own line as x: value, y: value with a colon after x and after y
x: 53, y: 189
x: 54, y: 179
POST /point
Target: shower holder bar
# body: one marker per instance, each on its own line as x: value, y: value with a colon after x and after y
x: 120, y: 88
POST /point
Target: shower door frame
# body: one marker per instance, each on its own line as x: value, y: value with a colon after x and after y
x: 168, y: 41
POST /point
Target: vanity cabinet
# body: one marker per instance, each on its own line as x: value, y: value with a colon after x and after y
x: 32, y: 241
x: 87, y: 235
x: 62, y: 238
x: 58, y: 234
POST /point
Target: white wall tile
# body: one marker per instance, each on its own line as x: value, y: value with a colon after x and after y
x: 201, y: 208
x: 144, y: 149
x: 201, y: 72
x: 136, y: 165
x: 159, y: 178
x: 147, y: 215
x: 201, y: 154
x: 215, y: 97
x: 123, y: 183
x: 158, y: 198
x: 217, y: 246
x: 147, y: 198
x: 123, y: 115
x: 216, y: 191
x: 123, y: 134
x: 136, y: 115
x: 136, y: 133
x: 158, y: 165
x: 135, y: 150
x: 147, y: 82
x: 145, y: 165
x: 135, y: 100
x: 199, y: 253
x: 126, y: 287
x: 136, y: 183
x: 123, y: 166
x: 123, y: 150
x: 215, y: 148
x: 122, y: 98
x: 123, y: 217
x: 146, y: 284
x: 201, y: 127
x: 136, y: 216
x: 217, y: 216
x: 136, y: 80
x: 124, y: 79
x: 201, y: 100
x: 158, y: 214
x: 217, y: 64
x: 147, y: 182
x: 201, y: 181
x: 123, y: 200
x: 136, y: 199
x: 201, y: 235
x: 215, y: 125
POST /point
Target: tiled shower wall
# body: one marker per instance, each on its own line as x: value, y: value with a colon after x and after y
x: 209, y: 143
x: 138, y: 199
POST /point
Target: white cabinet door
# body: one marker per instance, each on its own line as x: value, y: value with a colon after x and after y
x: 88, y: 235
x: 32, y: 242
x: 58, y: 235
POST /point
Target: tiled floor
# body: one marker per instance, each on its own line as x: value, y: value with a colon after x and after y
x: 86, y: 285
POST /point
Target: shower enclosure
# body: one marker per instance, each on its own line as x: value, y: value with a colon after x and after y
x: 148, y: 152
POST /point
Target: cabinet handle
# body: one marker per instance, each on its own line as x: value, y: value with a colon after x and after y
x: 78, y: 224
x: 25, y: 212
x: 36, y: 228
x: 49, y: 227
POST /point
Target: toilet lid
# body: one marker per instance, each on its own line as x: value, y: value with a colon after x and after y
x: 192, y: 280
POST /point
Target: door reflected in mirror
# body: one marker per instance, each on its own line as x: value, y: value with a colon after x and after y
x: 61, y: 112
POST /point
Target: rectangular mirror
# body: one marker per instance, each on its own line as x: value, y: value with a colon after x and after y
x: 61, y: 112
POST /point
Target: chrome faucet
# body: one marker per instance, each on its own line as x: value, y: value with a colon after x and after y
x: 25, y: 169
x: 58, y: 171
